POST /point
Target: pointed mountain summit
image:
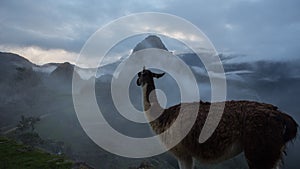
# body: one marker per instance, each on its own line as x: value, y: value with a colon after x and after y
x: 151, y: 41
x: 64, y: 71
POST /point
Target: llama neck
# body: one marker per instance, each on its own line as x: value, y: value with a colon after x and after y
x: 151, y: 104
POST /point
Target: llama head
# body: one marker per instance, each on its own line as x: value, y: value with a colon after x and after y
x: 146, y: 77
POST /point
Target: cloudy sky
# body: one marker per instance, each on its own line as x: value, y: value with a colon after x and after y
x: 55, y: 30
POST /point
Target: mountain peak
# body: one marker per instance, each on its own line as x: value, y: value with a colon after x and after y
x: 152, y: 41
x: 65, y: 67
x: 64, y: 71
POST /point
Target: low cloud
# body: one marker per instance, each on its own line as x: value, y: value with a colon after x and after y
x: 42, y: 56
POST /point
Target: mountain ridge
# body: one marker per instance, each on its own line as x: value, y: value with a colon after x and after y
x: 151, y: 41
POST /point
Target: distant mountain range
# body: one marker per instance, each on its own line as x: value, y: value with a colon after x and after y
x: 33, y: 90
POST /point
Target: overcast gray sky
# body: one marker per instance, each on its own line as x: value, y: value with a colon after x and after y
x: 55, y: 30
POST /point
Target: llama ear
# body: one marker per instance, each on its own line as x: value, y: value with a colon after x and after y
x: 138, y: 82
x: 157, y: 75
x: 139, y: 74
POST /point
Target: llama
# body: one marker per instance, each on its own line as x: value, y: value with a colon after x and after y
x: 259, y: 130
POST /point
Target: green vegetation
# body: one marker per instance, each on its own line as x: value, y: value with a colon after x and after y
x: 14, y: 155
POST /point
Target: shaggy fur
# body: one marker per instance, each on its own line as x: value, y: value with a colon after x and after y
x: 258, y: 129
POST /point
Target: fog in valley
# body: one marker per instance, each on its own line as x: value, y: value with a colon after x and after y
x: 45, y: 91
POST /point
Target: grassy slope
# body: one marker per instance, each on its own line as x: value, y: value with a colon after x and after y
x: 14, y: 155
